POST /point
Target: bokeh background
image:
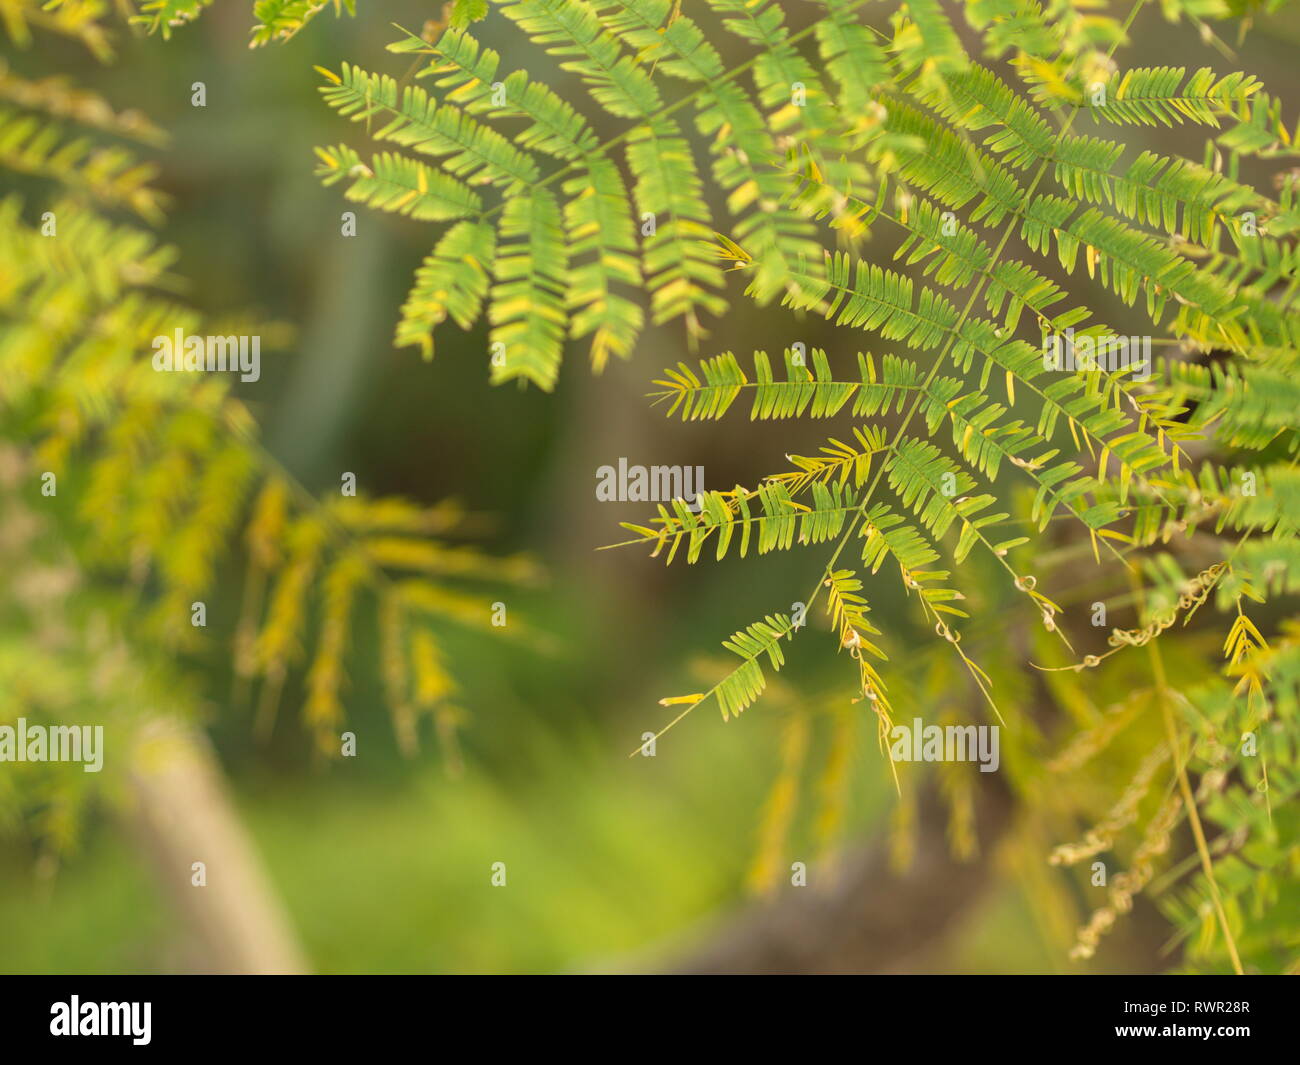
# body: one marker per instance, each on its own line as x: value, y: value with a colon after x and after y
x: 383, y: 862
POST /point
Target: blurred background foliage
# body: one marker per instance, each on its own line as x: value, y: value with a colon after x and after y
x: 383, y: 861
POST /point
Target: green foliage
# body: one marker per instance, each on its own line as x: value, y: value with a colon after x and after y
x: 746, y: 683
x: 162, y: 492
x: 944, y: 136
x: 275, y: 20
x: 975, y: 475
x: 164, y: 16
x: 32, y: 144
x: 621, y: 53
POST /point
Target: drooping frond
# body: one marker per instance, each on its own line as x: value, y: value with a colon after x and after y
x: 742, y: 145
x: 853, y: 57
x: 452, y: 281
x: 738, y: 690
x: 927, y: 481
x: 527, y: 314
x: 597, y: 211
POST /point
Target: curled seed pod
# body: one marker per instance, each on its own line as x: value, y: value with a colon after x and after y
x: 1091, y: 660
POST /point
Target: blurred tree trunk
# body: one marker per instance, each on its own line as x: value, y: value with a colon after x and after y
x: 872, y: 919
x: 181, y: 812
